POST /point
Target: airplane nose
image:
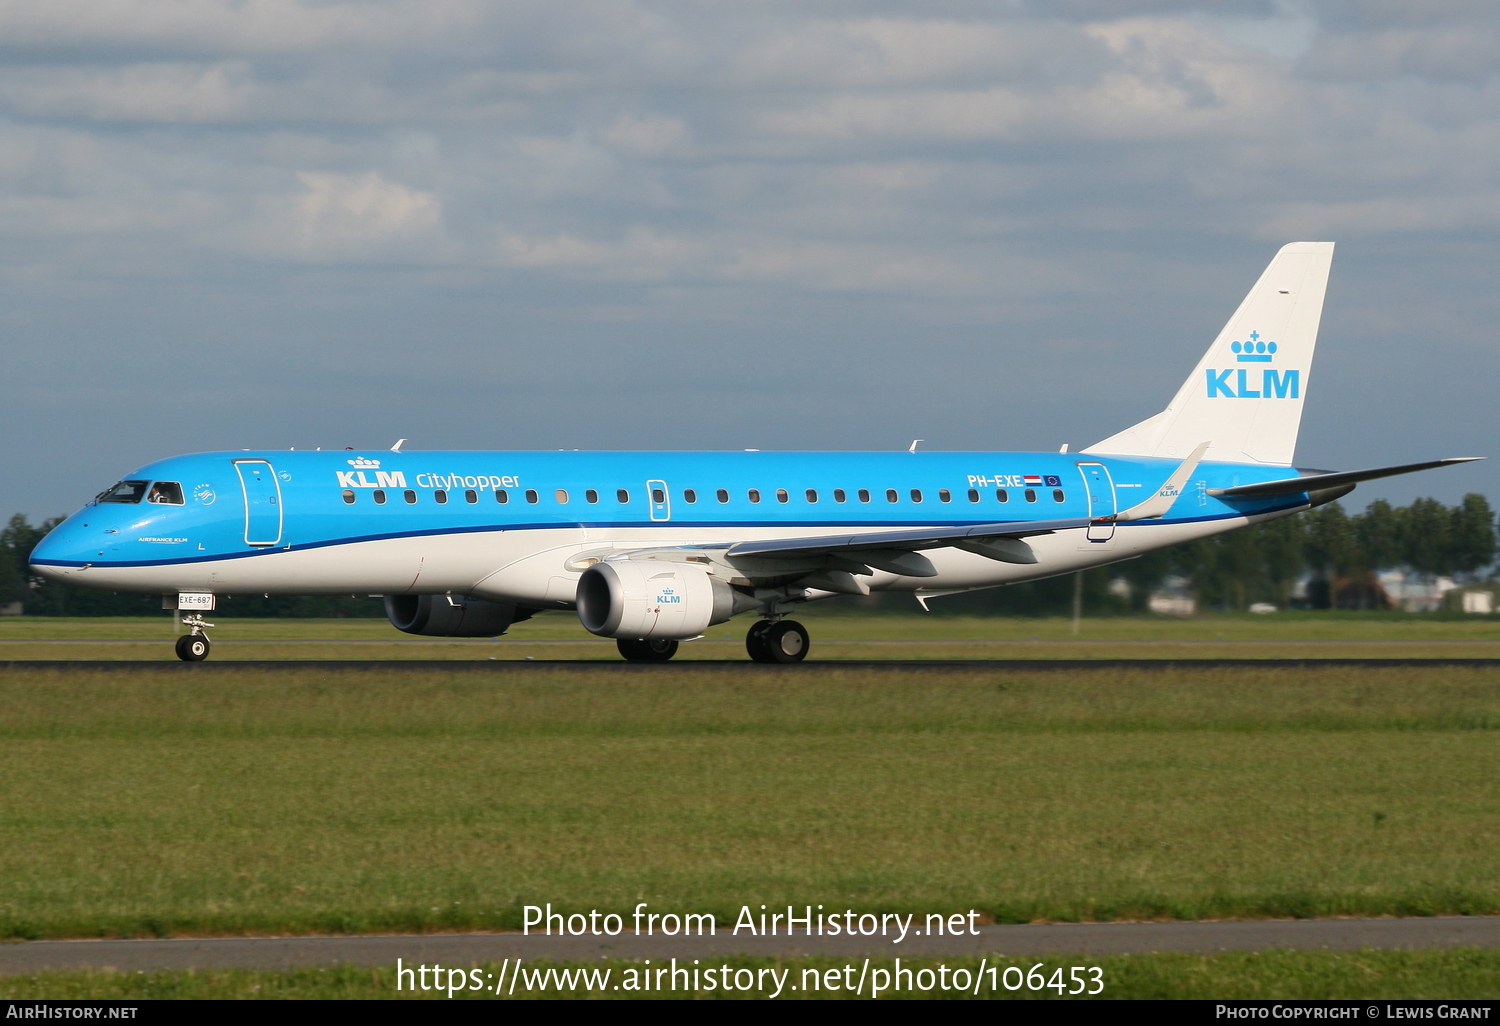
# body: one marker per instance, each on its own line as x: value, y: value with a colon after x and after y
x: 55, y: 549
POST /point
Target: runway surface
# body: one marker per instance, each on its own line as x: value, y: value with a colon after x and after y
x: 463, y: 949
x: 690, y: 665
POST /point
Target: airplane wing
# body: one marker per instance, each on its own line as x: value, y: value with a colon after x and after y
x: 910, y: 540
x: 1312, y: 482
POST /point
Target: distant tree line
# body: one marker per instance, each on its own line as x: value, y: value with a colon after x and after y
x: 1337, y: 553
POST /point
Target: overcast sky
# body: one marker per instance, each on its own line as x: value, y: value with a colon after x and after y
x: 613, y: 224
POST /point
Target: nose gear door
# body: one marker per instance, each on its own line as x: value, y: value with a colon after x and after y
x: 263, y: 515
x: 1101, y: 491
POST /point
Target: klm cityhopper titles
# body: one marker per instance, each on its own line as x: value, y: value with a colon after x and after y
x: 652, y: 548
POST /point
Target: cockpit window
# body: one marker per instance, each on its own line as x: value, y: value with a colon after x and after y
x: 169, y: 492
x: 125, y: 491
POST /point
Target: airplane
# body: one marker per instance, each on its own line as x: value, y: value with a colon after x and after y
x: 653, y: 548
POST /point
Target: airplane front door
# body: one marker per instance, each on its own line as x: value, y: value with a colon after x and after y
x: 263, y: 517
x: 661, y: 502
x: 1101, y: 491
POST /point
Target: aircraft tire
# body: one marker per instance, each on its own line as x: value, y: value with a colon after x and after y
x: 755, y: 641
x: 646, y: 650
x: 192, y: 648
x: 785, y: 641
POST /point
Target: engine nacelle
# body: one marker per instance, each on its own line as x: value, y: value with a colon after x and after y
x: 452, y: 616
x: 649, y: 599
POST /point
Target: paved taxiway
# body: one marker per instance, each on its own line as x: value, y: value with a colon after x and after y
x: 463, y: 949
x: 688, y: 665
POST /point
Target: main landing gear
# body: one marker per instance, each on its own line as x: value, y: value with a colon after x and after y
x: 646, y: 650
x: 193, y: 646
x: 777, y: 641
x: 769, y: 641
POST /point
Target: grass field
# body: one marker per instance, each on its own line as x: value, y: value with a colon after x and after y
x: 837, y: 633
x: 137, y: 803
x: 1285, y: 975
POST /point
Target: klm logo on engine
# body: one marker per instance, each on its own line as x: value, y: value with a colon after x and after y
x: 1241, y: 383
x: 356, y: 478
x: 668, y: 597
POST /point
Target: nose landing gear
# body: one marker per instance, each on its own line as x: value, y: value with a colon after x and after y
x: 193, y: 646
x: 777, y: 641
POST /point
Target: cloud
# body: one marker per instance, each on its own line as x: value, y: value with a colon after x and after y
x: 350, y: 213
x: 822, y: 181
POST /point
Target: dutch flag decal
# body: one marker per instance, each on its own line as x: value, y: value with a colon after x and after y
x: 1033, y: 481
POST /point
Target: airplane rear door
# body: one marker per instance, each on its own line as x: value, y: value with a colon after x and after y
x: 661, y: 502
x: 1101, y: 491
x: 263, y: 518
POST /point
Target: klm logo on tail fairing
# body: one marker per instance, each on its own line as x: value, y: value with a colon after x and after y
x: 1236, y: 383
x: 357, y: 479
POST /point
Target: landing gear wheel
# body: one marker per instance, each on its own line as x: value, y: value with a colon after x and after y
x: 784, y: 641
x: 755, y: 641
x: 192, y: 648
x: 646, y: 650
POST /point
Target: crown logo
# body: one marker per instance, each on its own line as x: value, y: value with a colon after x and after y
x: 1253, y: 351
x: 363, y: 463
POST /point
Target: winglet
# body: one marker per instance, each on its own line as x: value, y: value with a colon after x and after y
x: 1158, y: 504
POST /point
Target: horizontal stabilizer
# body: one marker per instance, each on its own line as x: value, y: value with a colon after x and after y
x: 1315, y: 482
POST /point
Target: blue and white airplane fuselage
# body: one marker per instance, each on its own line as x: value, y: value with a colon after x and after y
x: 652, y: 547
x: 505, y: 526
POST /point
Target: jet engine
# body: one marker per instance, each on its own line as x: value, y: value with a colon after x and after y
x: 649, y: 599
x: 452, y: 616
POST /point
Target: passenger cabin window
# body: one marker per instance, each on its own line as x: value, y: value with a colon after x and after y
x: 754, y: 495
x: 723, y: 494
x: 531, y: 495
x: 409, y: 495
x: 562, y: 496
x: 1001, y: 495
x: 838, y: 495
x: 591, y: 495
x: 658, y: 496
x: 501, y: 495
x: 1031, y: 495
x: 1057, y: 495
x: 781, y: 495
x: 125, y: 491
x: 688, y: 495
x: 379, y: 495
x: 168, y: 493
x: 916, y: 495
x: 471, y: 496
x: 890, y: 495
x: 944, y: 495
x: 440, y: 497
x: 812, y: 495
x: 349, y: 495
x: 973, y: 494
x: 623, y: 496
x: 864, y: 495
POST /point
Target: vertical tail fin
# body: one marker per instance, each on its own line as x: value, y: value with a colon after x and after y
x: 1247, y: 391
